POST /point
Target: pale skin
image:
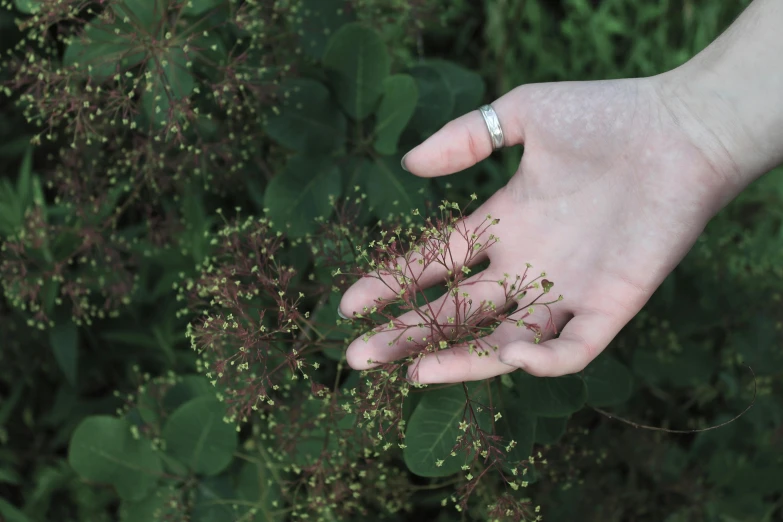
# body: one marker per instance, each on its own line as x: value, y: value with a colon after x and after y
x: 617, y: 181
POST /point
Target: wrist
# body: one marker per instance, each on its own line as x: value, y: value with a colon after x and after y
x: 712, y: 120
x: 729, y: 97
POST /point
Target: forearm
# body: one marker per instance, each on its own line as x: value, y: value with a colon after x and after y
x: 729, y: 97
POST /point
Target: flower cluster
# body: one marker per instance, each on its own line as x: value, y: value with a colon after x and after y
x: 262, y: 343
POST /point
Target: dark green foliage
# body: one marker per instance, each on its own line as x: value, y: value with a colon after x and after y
x: 178, y: 182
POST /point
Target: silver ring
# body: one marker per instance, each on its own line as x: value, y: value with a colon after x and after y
x: 493, y: 125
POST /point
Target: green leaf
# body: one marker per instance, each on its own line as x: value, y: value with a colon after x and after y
x: 146, y: 509
x: 104, y: 49
x: 308, y: 119
x: 389, y: 189
x: 170, y: 80
x: 146, y: 15
x: 466, y: 86
x: 300, y: 194
x: 28, y: 6
x: 358, y: 64
x: 549, y: 396
x: 211, y: 503
x: 190, y: 387
x: 609, y: 382
x: 64, y: 340
x: 196, y: 435
x: 433, y: 430
x: 210, y: 54
x: 148, y: 406
x: 256, y: 484
x: 316, y: 22
x: 513, y: 425
x: 436, y: 101
x: 549, y: 430
x: 197, y: 222
x: 102, y: 449
x: 199, y: 7
x: 8, y: 513
x: 395, y: 111
x: 178, y: 79
x: 326, y: 321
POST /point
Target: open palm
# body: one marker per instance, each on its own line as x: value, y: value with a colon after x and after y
x: 610, y: 195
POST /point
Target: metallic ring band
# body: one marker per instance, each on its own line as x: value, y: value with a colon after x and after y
x: 493, y: 125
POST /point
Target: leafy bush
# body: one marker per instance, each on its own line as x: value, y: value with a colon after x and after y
x: 190, y: 185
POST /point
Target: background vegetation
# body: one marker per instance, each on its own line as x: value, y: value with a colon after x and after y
x: 137, y: 139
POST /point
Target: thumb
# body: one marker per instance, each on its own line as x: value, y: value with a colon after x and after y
x: 465, y: 141
x: 583, y: 338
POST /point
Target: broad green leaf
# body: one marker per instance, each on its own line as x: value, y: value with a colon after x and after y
x: 197, y: 222
x: 395, y: 111
x: 148, y: 406
x: 8, y: 513
x: 170, y: 81
x: 389, y: 189
x: 211, y: 503
x: 177, y: 77
x: 549, y: 430
x: 145, y: 510
x: 28, y: 6
x: 308, y: 119
x: 102, y: 449
x: 142, y: 15
x: 326, y: 321
x: 549, y: 396
x: 513, y: 424
x: 300, y: 194
x: 209, y: 52
x: 197, y: 436
x: 64, y: 340
x: 190, y: 387
x: 104, y: 49
x: 199, y: 7
x: 609, y: 382
x: 358, y: 64
x: 466, y: 86
x: 433, y: 430
x: 436, y: 100
x: 256, y: 484
x: 316, y: 22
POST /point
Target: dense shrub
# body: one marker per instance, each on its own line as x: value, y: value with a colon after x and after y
x: 189, y: 186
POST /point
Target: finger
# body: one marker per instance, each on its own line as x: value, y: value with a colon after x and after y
x: 461, y: 363
x: 582, y: 339
x: 407, y: 336
x: 426, y: 268
x: 465, y: 141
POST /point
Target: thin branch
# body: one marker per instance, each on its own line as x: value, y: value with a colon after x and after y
x: 656, y: 428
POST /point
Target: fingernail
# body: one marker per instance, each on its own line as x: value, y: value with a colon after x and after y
x: 341, y: 314
x: 402, y: 162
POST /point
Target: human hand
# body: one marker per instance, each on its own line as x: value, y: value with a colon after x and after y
x: 613, y: 189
